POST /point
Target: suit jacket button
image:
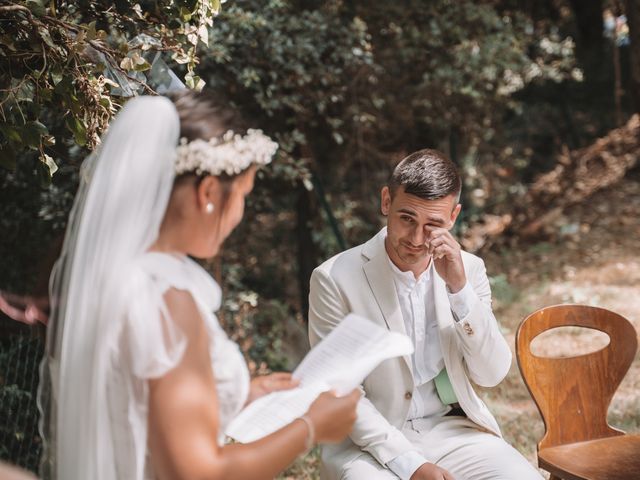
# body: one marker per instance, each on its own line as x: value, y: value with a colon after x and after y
x: 408, y: 395
x: 467, y: 329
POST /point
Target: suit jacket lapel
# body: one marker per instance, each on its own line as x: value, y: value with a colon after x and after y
x: 379, y: 276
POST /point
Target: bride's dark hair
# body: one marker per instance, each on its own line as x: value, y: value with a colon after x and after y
x: 205, y: 115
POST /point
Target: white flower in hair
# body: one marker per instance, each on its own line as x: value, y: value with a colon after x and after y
x: 231, y: 154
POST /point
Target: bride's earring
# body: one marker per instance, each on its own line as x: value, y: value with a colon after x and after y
x: 209, y: 208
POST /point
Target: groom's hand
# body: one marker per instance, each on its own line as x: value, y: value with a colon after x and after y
x: 447, y: 259
x: 265, y: 384
x: 430, y: 471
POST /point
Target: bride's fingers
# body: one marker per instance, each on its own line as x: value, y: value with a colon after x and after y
x: 280, y: 375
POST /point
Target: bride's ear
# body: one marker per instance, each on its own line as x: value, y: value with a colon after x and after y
x: 207, y: 192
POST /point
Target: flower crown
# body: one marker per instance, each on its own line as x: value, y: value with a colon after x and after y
x: 231, y: 154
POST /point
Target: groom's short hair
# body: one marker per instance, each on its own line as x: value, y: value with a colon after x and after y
x: 428, y: 174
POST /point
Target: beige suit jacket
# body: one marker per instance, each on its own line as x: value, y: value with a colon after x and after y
x: 360, y: 281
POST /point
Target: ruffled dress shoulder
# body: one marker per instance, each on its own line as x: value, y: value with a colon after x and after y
x: 150, y: 344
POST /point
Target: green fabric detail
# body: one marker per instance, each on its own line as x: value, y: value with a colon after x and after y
x: 444, y: 388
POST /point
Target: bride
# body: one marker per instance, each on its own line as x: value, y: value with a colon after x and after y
x: 139, y: 380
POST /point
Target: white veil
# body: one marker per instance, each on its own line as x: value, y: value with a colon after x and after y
x: 123, y: 194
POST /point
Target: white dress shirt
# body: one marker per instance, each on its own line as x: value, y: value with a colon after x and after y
x: 416, y: 298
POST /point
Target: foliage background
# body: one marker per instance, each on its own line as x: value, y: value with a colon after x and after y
x: 506, y: 88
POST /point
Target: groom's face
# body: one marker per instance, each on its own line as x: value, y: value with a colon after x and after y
x: 410, y: 220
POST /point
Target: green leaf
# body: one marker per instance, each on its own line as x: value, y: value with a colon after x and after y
x: 189, y: 80
x: 7, y: 157
x: 56, y: 75
x: 174, y: 24
x: 75, y: 104
x: 91, y: 31
x: 10, y: 132
x: 51, y: 165
x: 37, y: 7
x: 31, y: 134
x: 203, y: 34
x: 194, y: 82
x: 7, y: 42
x: 40, y: 127
x: 46, y: 36
x: 78, y: 128
x: 44, y: 174
x: 199, y: 83
x: 141, y: 65
x: 63, y: 85
x: 106, y: 102
x: 46, y: 94
x: 185, y: 14
x: 25, y: 92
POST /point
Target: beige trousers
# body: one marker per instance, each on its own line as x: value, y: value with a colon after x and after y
x: 455, y: 444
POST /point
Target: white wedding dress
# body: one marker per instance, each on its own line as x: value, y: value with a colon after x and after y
x: 150, y: 344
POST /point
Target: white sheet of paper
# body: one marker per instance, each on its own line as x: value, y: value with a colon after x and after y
x: 349, y: 353
x: 340, y: 362
x: 272, y: 412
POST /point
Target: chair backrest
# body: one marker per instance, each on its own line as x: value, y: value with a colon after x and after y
x: 573, y: 394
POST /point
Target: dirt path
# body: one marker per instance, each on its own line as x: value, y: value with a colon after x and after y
x: 594, y: 261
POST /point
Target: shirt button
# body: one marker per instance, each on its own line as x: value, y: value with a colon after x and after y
x: 408, y: 395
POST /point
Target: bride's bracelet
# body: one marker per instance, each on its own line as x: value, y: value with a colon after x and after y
x: 311, y: 433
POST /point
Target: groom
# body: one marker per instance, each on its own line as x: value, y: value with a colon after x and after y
x: 420, y: 418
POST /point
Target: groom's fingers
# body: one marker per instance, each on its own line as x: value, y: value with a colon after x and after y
x: 440, y: 237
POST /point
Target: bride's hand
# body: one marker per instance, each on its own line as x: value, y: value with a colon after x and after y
x: 273, y: 382
x: 333, y: 417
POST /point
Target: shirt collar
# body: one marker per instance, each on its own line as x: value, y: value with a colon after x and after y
x: 406, y: 282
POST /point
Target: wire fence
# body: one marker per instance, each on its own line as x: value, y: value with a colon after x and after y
x: 21, y: 348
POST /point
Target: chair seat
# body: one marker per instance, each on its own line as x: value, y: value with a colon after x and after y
x: 613, y: 458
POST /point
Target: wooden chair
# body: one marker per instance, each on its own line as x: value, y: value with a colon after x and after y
x: 573, y: 395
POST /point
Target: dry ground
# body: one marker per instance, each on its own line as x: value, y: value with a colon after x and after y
x: 597, y: 262
x: 594, y: 260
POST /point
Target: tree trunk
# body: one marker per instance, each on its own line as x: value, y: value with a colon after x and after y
x: 590, y: 44
x: 633, y: 18
x: 588, y: 15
